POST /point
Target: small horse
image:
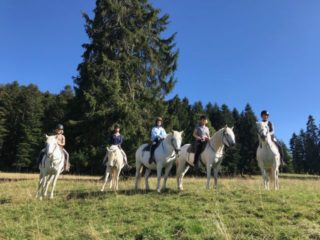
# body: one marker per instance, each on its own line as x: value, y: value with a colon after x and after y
x: 114, y: 166
x: 165, y: 154
x: 211, y: 157
x: 268, y: 156
x: 50, y: 166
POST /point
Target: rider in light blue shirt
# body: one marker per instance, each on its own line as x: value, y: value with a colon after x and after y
x: 157, y: 135
x: 158, y: 132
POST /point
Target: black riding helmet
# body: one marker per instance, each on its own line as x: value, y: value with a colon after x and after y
x: 264, y: 112
x: 59, y: 127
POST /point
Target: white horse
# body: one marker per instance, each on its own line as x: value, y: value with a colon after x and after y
x: 165, y: 154
x: 268, y: 156
x: 211, y: 157
x: 50, y: 167
x: 114, y: 166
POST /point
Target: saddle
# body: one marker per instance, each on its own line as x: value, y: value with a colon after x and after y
x: 192, y: 148
x: 147, y: 148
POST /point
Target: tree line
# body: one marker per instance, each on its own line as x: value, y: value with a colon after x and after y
x: 127, y: 71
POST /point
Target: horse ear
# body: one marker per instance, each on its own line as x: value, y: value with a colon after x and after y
x: 108, y: 149
x: 226, y: 126
x: 182, y: 132
x: 47, y: 136
x: 232, y: 128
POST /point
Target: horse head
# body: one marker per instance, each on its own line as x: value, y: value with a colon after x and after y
x: 112, y: 153
x: 51, y: 145
x: 176, y: 140
x: 229, y: 139
x: 263, y: 130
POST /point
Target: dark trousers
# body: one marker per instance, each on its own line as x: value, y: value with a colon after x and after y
x: 199, y: 148
x: 154, y: 146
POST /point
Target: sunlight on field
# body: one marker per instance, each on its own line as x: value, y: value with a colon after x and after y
x: 239, y: 209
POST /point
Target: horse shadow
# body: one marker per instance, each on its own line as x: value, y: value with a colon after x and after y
x: 109, y: 193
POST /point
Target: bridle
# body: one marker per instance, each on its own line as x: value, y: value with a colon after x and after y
x: 226, y: 137
x: 174, y: 147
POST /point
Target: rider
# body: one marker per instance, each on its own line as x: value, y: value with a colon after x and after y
x: 265, y: 119
x: 201, y: 134
x: 157, y: 135
x: 62, y: 142
x: 117, y: 139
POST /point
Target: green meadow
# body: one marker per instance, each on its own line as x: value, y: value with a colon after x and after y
x: 239, y: 209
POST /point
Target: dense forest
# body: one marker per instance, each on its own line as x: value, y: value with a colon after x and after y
x: 125, y: 77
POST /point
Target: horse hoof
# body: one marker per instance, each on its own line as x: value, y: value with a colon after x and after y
x: 158, y: 190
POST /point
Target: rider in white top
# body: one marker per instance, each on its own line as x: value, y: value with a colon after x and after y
x: 157, y: 135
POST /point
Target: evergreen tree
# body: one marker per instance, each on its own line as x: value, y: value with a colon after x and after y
x: 215, y: 116
x: 247, y: 135
x: 127, y: 70
x: 311, y: 146
x: 298, y: 152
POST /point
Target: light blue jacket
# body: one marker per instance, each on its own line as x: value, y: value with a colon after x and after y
x: 158, y: 132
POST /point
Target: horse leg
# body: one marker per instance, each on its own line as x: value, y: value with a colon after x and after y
x: 275, y: 179
x: 215, y: 173
x: 146, y: 175
x: 39, y: 185
x: 159, y: 170
x: 208, y: 175
x: 166, y: 174
x: 55, y: 178
x: 49, y: 179
x: 180, y: 172
x: 105, y: 179
x: 138, y: 174
x: 118, y: 176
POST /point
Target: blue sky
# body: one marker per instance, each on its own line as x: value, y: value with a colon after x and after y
x: 265, y: 53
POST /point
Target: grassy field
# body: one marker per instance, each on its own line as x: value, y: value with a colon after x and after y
x: 239, y: 209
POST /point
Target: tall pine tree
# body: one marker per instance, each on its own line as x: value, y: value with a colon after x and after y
x: 127, y: 70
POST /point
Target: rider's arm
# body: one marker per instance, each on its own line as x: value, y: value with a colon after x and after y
x: 62, y: 141
x: 271, y: 128
x: 163, y: 133
x: 195, y: 134
x: 121, y: 140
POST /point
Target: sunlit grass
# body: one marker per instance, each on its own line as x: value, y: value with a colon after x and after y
x: 239, y: 209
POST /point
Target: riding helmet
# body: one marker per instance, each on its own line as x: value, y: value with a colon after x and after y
x: 59, y: 127
x: 264, y: 112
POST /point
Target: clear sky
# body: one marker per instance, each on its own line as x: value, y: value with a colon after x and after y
x: 266, y: 53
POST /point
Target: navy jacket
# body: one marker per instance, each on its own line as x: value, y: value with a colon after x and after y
x: 115, y: 140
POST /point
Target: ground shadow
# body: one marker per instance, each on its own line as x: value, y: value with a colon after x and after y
x: 108, y: 193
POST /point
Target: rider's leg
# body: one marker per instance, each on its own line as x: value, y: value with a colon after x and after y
x: 124, y: 157
x: 154, y: 145
x: 279, y: 146
x: 66, y: 163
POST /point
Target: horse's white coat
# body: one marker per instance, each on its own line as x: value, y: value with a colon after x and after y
x: 211, y: 157
x: 164, y: 155
x: 268, y: 156
x: 50, y: 167
x: 114, y: 166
